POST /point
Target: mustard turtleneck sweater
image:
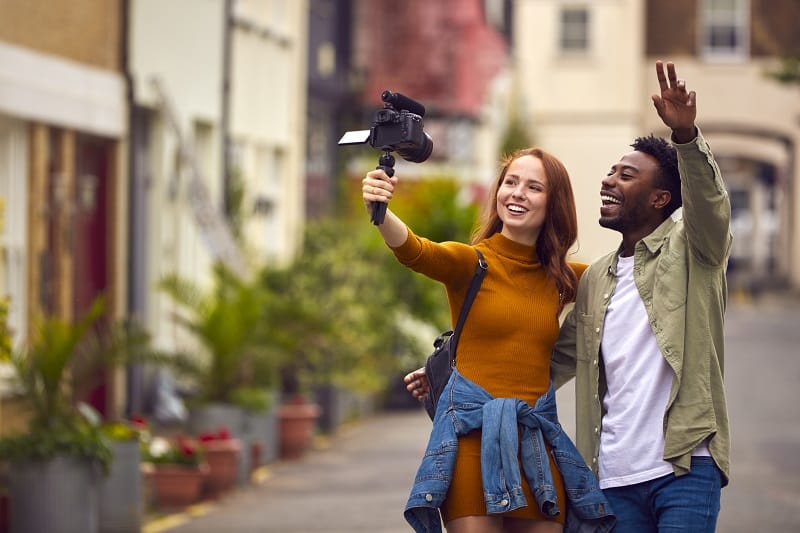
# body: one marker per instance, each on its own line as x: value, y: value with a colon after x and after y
x: 511, y: 328
x: 505, y: 344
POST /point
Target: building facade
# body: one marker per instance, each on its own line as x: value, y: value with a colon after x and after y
x: 63, y: 127
x: 585, y: 73
x: 453, y: 56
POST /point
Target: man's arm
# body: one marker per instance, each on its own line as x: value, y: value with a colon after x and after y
x: 706, y: 206
x: 564, y: 354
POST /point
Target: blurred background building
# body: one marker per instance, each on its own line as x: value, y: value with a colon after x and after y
x: 141, y: 137
x: 586, y: 74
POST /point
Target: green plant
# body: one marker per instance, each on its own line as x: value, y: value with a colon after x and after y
x: 226, y: 320
x: 253, y: 399
x: 41, y: 370
x: 789, y: 71
x: 135, y: 429
x: 333, y: 313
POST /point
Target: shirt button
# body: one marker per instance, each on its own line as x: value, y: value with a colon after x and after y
x: 503, y: 502
x: 597, y: 330
x: 428, y: 498
x: 596, y: 397
x: 594, y: 362
x: 596, y: 430
x: 605, y: 296
x: 594, y: 460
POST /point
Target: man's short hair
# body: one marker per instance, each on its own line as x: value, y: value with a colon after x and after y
x: 668, y: 178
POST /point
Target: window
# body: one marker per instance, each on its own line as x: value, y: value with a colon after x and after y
x: 13, y: 233
x: 574, y: 37
x: 724, y: 26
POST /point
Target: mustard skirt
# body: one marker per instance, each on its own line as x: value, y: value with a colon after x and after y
x: 465, y: 495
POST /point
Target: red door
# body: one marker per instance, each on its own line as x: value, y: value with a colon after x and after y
x: 90, y: 238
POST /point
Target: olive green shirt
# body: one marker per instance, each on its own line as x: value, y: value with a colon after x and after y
x: 679, y: 270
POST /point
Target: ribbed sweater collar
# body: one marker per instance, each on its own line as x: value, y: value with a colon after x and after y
x: 505, y: 247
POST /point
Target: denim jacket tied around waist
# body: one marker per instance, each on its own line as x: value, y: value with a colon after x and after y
x: 465, y: 406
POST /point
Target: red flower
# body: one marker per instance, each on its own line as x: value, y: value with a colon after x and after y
x: 208, y: 436
x: 139, y: 422
x: 184, y: 445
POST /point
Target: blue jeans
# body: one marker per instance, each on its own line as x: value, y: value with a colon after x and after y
x: 670, y: 503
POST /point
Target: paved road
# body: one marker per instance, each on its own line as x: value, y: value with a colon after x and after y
x: 762, y: 378
x: 359, y: 481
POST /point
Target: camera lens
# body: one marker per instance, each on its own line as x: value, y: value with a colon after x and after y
x: 420, y: 154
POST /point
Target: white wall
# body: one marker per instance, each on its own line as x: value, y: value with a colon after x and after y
x: 584, y: 109
x: 181, y: 43
x: 268, y: 108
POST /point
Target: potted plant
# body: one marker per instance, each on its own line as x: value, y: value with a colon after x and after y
x: 221, y: 452
x: 121, y: 500
x: 176, y: 470
x: 54, y: 467
x: 231, y: 362
x: 337, y: 342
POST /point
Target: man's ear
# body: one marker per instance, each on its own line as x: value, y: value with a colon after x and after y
x: 660, y: 198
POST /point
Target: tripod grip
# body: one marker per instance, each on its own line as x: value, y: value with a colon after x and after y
x: 379, y: 208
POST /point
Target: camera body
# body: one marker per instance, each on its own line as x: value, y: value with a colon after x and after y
x: 398, y: 127
x: 402, y: 132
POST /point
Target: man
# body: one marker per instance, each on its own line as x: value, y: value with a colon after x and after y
x: 645, y: 338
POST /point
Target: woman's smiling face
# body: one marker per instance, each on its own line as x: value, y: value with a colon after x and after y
x: 522, y: 200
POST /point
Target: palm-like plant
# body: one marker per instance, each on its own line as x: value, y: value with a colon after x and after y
x: 41, y: 370
x: 226, y: 321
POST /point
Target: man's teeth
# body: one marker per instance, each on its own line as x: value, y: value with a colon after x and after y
x: 608, y: 199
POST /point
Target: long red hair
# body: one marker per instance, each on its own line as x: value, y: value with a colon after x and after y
x: 560, y: 229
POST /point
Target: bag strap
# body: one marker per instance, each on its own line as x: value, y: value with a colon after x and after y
x: 475, y: 284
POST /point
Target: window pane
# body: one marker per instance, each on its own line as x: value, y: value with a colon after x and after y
x: 574, y: 29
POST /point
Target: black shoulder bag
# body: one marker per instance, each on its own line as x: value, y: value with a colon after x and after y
x: 440, y: 363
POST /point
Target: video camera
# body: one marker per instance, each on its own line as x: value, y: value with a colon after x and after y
x: 398, y: 127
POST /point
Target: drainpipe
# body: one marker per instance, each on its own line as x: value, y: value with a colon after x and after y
x: 227, y: 36
x: 134, y: 375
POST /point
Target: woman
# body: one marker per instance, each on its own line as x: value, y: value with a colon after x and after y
x: 529, y: 225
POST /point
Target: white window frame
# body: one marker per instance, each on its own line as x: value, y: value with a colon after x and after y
x: 13, y: 235
x: 737, y: 20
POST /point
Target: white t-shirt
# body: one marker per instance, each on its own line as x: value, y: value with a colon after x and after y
x: 638, y: 382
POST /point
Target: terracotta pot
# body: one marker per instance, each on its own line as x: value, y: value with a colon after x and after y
x: 222, y: 457
x: 176, y: 485
x: 297, y: 424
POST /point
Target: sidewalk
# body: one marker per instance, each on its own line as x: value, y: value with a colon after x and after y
x: 356, y: 480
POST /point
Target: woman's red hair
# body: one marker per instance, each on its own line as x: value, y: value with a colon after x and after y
x: 560, y: 229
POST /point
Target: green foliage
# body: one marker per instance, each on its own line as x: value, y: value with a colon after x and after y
x: 253, y: 399
x: 41, y: 370
x: 235, y: 191
x: 336, y: 313
x: 5, y: 331
x: 228, y: 321
x: 515, y: 137
x: 69, y: 435
x: 789, y: 71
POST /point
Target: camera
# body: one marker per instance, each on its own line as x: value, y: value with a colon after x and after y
x: 398, y: 127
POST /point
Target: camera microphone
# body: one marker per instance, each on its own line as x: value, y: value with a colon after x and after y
x: 401, y: 101
x: 397, y: 127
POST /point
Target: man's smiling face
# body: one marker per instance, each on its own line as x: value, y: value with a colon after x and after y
x: 626, y: 193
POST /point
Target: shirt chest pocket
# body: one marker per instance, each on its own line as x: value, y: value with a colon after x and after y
x: 671, y: 282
